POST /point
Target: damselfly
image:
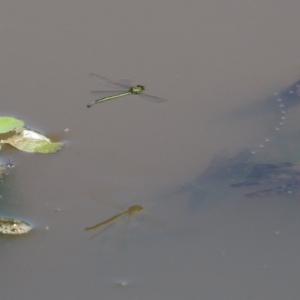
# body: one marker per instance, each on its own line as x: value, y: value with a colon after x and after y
x: 127, y: 90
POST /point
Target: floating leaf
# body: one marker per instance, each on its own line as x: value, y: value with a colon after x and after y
x: 13, y: 227
x: 32, y: 141
x: 9, y: 123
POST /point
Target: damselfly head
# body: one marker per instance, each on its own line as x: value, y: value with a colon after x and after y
x: 137, y: 89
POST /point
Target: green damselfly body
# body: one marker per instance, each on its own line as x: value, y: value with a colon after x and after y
x: 127, y: 90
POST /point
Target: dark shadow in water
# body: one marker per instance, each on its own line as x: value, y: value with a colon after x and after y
x: 272, y: 171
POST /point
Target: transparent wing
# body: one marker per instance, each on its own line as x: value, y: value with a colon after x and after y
x: 152, y: 98
x: 125, y: 85
x: 101, y: 230
x: 126, y: 82
x: 111, y: 92
x: 122, y: 232
x: 108, y: 81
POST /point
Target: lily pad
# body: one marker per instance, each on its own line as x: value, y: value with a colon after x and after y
x: 32, y: 141
x: 9, y: 123
x: 13, y: 227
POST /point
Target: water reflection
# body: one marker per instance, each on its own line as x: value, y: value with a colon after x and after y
x: 130, y: 211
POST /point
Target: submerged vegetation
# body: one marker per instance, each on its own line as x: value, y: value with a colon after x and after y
x: 2, y: 170
x: 240, y: 171
x: 269, y: 169
x: 13, y: 227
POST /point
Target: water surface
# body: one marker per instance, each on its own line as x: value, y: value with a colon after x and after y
x: 208, y: 59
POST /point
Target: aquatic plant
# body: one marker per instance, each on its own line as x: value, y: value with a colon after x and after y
x: 25, y: 139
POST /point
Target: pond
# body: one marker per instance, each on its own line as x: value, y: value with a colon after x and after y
x: 162, y: 186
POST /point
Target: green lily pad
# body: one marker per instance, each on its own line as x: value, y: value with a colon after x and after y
x: 9, y: 123
x: 32, y: 141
